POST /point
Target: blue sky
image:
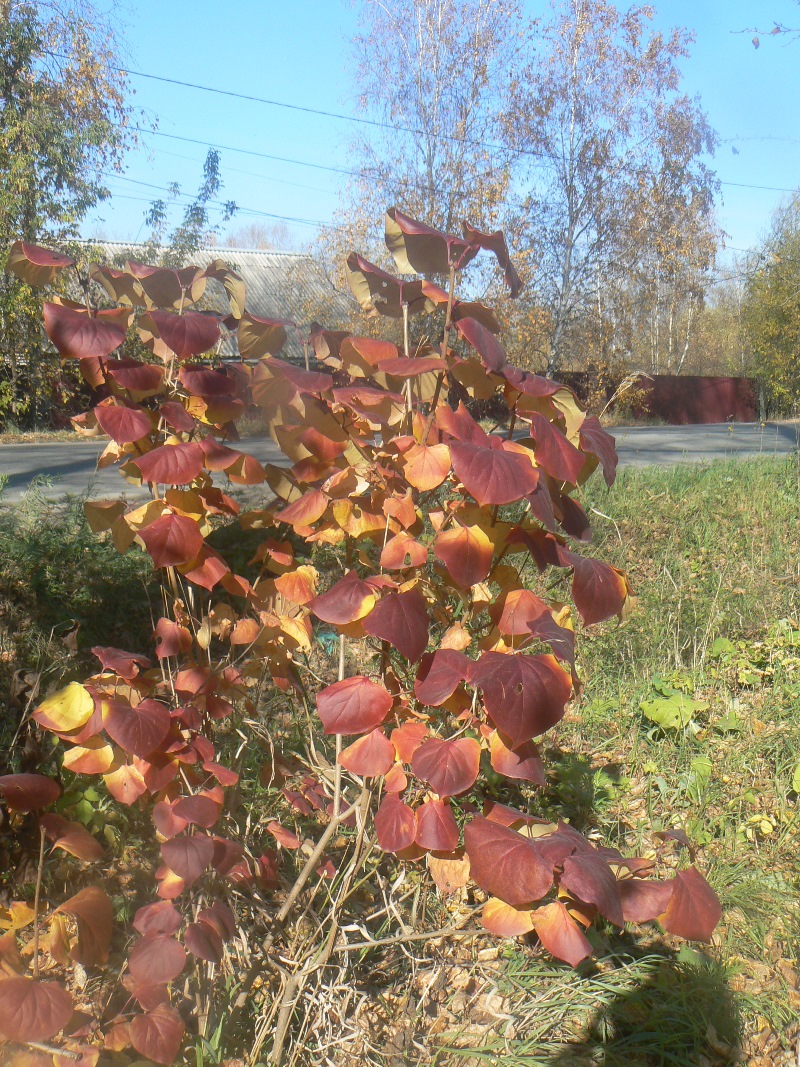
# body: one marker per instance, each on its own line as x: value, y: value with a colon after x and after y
x: 299, y: 53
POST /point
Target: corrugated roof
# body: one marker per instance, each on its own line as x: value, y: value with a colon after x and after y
x: 279, y: 285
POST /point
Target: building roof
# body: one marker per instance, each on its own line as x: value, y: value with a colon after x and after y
x: 278, y: 285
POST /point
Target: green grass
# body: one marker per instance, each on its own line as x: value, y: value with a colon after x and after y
x: 61, y: 591
x: 712, y: 553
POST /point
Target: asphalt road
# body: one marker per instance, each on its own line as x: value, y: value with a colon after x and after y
x: 68, y: 467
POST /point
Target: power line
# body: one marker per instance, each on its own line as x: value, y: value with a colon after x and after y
x: 240, y: 209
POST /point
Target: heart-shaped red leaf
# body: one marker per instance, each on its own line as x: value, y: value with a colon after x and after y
x: 437, y: 829
x: 346, y: 601
x: 506, y: 864
x: 522, y: 762
x: 77, y: 335
x: 186, y: 335
x: 171, y: 464
x: 158, y: 918
x: 694, y: 908
x: 203, y: 940
x: 524, y: 695
x: 71, y: 837
x: 369, y: 756
x: 158, y: 1034
x: 32, y: 1010
x: 172, y: 540
x: 560, y: 934
x: 395, y: 824
x: 598, y: 589
x: 600, y: 443
x: 139, y: 730
x: 126, y: 664
x: 353, y: 705
x: 35, y: 265
x: 28, y: 792
x: 187, y: 856
x: 554, y: 453
x: 449, y: 767
x: 402, y: 620
x: 439, y: 675
x: 156, y: 959
x: 92, y: 910
x: 492, y: 353
x: 123, y: 424
x: 199, y: 810
x: 588, y: 877
x: 493, y: 475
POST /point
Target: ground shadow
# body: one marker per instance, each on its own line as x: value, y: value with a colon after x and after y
x: 678, y: 1011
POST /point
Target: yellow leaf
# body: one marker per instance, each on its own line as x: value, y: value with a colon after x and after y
x: 67, y: 710
x: 17, y: 916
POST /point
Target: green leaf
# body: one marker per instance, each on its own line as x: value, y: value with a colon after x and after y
x: 699, y: 777
x: 729, y: 723
x: 721, y: 647
x: 796, y: 779
x: 674, y: 712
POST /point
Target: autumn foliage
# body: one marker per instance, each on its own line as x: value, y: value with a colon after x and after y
x: 450, y: 566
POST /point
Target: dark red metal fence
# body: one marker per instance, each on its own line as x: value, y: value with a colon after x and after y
x: 685, y: 399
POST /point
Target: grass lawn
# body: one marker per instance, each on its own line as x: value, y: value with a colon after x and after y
x: 690, y: 719
x: 713, y: 653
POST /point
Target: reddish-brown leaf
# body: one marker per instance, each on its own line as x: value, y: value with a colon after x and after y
x: 353, y: 706
x: 437, y: 829
x: 126, y: 664
x: 171, y: 464
x: 467, y: 553
x: 402, y: 620
x: 493, y: 475
x: 395, y: 824
x: 156, y: 959
x: 496, y: 243
x: 492, y: 353
x: 587, y: 876
x: 377, y: 291
x: 172, y: 540
x: 523, y: 762
x: 32, y: 1010
x: 35, y: 265
x: 560, y: 934
x: 171, y: 639
x: 28, y: 792
x: 506, y: 864
x: 77, y: 335
x: 346, y: 601
x: 71, y: 837
x: 598, y: 589
x: 159, y: 918
x: 198, y: 809
x: 694, y: 908
x: 449, y: 767
x: 420, y: 249
x: 644, y: 899
x: 186, y: 335
x: 158, y: 1034
x: 203, y: 940
x: 187, y: 856
x: 220, y: 917
x: 554, y: 453
x: 524, y: 695
x: 403, y: 551
x: 123, y: 424
x: 600, y: 443
x: 369, y: 756
x: 139, y: 730
x: 92, y: 911
x: 439, y: 675
x: 502, y: 920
